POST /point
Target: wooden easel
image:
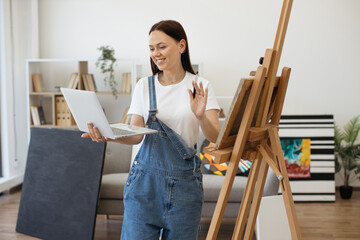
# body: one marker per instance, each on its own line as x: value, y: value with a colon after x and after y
x: 251, y: 132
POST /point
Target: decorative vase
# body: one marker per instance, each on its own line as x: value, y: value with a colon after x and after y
x: 346, y: 192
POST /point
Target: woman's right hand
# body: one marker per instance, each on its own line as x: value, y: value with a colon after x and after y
x: 95, y: 134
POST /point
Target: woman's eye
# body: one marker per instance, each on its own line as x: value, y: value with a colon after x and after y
x: 151, y: 49
x: 162, y: 47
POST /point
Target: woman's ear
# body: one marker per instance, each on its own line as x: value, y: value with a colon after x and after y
x: 182, y: 46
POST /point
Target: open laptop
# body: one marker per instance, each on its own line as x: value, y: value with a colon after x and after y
x: 86, y: 108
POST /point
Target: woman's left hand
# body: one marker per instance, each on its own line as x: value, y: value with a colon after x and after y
x: 198, y: 103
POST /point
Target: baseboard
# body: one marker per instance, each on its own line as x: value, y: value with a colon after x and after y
x: 8, y: 183
x: 354, y: 188
x: 15, y: 189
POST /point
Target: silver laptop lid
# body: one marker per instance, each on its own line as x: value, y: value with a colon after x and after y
x: 86, y: 108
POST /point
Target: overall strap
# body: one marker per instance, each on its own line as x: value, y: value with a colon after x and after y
x: 152, y: 96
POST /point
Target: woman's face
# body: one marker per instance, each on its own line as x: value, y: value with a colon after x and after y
x: 165, y: 51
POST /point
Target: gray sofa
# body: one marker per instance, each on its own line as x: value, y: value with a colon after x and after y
x: 116, y: 169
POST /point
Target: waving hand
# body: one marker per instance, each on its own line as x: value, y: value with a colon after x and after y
x: 198, y: 102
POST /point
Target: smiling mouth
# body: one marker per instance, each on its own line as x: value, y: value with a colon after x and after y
x: 159, y: 61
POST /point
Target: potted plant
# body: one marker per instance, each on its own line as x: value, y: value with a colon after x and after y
x: 347, y: 155
x: 106, y: 62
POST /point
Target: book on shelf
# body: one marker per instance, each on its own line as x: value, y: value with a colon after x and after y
x: 58, y: 110
x: 37, y: 115
x: 34, y: 115
x: 86, y: 82
x: 41, y: 114
x: 89, y: 82
x: 69, y: 119
x: 63, y: 114
x: 71, y: 83
x: 126, y: 83
x: 38, y: 83
x: 76, y: 82
x: 92, y: 82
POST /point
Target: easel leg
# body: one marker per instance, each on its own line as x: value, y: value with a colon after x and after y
x: 223, y: 199
x: 264, y: 167
x: 247, y: 197
x: 285, y: 184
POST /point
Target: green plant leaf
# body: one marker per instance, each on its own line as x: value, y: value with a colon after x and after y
x: 106, y: 62
x: 337, y: 165
x: 351, y: 130
x: 347, y: 156
x: 338, y: 136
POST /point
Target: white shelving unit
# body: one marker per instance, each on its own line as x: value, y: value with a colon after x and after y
x: 57, y: 72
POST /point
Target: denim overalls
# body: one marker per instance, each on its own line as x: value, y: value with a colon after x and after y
x: 164, y: 187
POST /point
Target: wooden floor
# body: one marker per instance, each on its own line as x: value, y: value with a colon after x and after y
x: 318, y: 221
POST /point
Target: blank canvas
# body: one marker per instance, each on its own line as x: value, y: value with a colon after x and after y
x: 61, y: 185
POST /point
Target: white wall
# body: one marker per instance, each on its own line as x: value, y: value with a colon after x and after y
x: 228, y: 37
x: 16, y: 47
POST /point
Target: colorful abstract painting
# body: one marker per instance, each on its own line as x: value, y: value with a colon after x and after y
x: 297, y: 156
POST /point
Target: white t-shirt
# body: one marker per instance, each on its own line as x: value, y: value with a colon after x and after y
x: 173, y: 105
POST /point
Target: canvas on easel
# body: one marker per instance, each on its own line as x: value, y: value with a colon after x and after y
x: 251, y: 132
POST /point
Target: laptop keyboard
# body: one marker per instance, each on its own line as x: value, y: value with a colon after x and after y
x: 120, y: 132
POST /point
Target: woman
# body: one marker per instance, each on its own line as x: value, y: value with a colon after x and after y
x: 164, y: 187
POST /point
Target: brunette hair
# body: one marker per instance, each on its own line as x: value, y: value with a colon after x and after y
x: 176, y: 31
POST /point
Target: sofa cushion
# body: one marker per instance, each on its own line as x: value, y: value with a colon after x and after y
x: 212, y: 185
x: 112, y: 185
x: 117, y: 158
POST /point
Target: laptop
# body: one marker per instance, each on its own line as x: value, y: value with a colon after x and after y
x: 86, y: 108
